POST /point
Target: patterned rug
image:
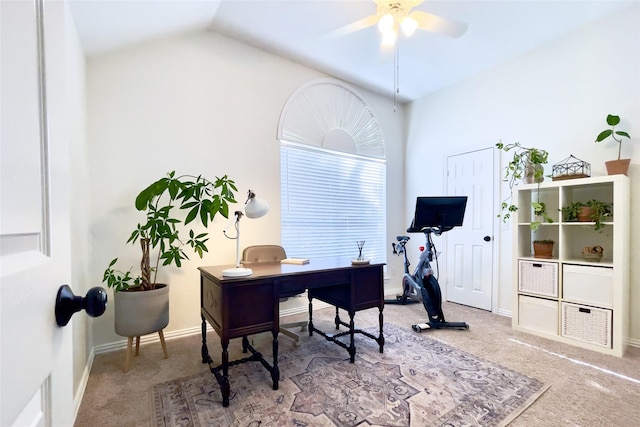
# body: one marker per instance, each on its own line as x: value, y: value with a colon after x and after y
x: 418, y: 381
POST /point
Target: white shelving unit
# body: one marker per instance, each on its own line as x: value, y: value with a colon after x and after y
x: 567, y: 298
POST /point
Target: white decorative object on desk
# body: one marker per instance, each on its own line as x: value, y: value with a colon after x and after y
x: 297, y: 261
x: 360, y: 260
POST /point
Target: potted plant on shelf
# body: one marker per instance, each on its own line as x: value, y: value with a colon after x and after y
x: 170, y: 204
x: 619, y: 166
x: 527, y: 164
x: 595, y: 211
x: 543, y: 248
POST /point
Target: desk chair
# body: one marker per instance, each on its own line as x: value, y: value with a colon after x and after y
x: 260, y: 254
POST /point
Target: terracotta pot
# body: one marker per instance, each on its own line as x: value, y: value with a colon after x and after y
x: 542, y: 250
x: 584, y: 214
x: 140, y: 313
x: 618, y: 167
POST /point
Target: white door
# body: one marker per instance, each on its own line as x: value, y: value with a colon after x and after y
x: 36, y: 380
x: 470, y: 247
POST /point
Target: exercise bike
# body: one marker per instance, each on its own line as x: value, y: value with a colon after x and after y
x: 411, y: 288
x: 434, y: 215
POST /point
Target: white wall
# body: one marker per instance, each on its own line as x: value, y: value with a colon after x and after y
x: 201, y: 104
x: 555, y: 97
x: 80, y: 214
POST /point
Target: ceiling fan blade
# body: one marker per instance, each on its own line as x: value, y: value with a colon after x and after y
x: 438, y: 24
x: 353, y: 27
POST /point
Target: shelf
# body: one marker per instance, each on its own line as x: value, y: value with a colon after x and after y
x: 596, y: 293
x: 572, y: 261
x: 584, y: 224
x: 541, y: 296
x: 580, y: 261
x: 532, y: 258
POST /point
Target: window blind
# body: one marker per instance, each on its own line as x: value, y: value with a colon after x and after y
x: 330, y: 200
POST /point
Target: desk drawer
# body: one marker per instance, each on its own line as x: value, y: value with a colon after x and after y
x: 290, y: 285
x: 240, y: 310
x: 367, y: 290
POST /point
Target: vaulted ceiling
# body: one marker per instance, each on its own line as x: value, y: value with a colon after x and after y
x: 297, y: 29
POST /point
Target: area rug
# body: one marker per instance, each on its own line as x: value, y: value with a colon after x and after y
x: 417, y: 381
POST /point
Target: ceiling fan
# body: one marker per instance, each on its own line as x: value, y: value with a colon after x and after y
x: 392, y: 15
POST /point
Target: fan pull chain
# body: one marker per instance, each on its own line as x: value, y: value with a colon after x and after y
x: 396, y: 74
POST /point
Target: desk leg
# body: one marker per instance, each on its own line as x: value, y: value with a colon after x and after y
x: 310, y: 317
x: 380, y: 338
x: 275, y: 371
x: 352, y: 346
x: 336, y: 320
x: 224, y: 381
x: 205, y: 350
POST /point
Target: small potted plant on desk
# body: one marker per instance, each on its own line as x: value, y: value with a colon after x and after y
x: 619, y: 166
x: 527, y: 165
x: 141, y: 304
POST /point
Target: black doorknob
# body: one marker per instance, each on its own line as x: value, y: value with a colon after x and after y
x: 94, y: 303
x: 487, y: 238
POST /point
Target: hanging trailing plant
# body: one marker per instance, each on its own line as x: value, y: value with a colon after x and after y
x: 526, y: 164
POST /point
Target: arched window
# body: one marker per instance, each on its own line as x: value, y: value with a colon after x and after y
x: 332, y: 174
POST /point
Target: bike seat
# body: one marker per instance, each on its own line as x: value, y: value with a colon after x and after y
x: 402, y: 238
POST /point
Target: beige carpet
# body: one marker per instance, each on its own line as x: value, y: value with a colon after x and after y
x: 417, y: 381
x: 586, y: 388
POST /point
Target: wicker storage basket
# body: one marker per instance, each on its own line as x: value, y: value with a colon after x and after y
x: 588, y: 324
x: 539, y: 278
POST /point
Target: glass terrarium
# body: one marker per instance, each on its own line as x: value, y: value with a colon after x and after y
x: 570, y: 168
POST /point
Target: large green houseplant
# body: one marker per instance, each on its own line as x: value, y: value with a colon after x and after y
x: 174, y: 207
x: 619, y: 166
x: 526, y: 164
x: 170, y: 204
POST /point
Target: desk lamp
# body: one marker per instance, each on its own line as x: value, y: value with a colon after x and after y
x: 254, y: 208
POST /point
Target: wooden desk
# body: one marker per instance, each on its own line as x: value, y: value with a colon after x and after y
x: 237, y: 307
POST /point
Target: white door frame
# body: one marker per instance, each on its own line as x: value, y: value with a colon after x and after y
x: 496, y: 221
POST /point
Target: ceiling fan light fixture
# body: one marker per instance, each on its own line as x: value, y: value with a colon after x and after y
x: 389, y: 38
x: 408, y: 25
x: 386, y: 23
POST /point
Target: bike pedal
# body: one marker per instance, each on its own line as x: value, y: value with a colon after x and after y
x: 421, y: 327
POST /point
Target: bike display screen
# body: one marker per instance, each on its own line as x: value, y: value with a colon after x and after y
x: 443, y: 212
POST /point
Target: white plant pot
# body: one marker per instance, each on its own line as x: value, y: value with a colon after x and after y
x: 140, y: 313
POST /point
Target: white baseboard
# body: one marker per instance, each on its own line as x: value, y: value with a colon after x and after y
x: 153, y: 338
x: 82, y: 386
x: 503, y: 312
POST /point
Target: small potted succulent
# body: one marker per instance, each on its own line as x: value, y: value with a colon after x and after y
x: 619, y: 166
